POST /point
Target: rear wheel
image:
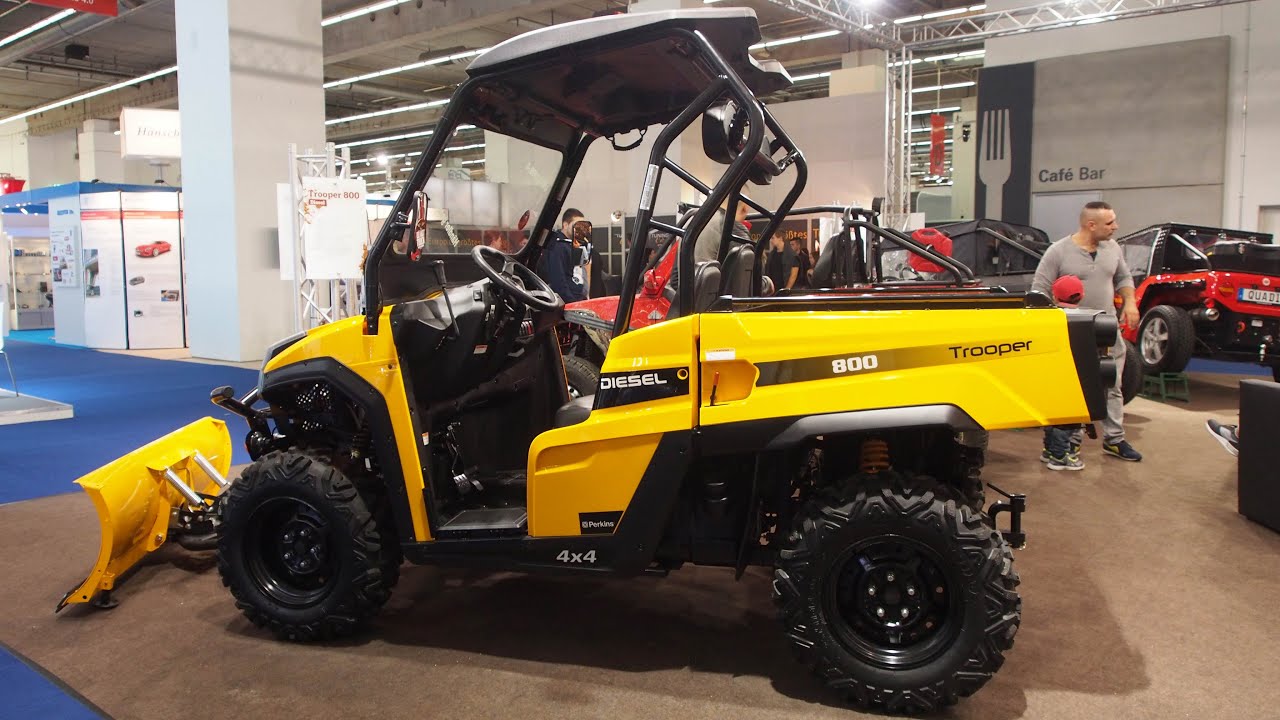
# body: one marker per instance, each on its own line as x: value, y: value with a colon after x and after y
x: 300, y: 551
x: 896, y: 596
x: 1131, y: 380
x: 1166, y: 338
x: 582, y: 376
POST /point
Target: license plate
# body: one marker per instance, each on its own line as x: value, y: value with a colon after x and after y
x: 1262, y: 297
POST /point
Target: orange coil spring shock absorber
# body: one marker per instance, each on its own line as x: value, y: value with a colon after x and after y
x: 874, y: 456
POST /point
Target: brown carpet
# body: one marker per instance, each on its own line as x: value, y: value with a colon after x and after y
x: 1145, y: 596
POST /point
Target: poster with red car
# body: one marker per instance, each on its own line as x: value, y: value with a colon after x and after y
x: 153, y: 270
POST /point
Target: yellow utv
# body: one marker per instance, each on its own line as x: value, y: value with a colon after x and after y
x: 832, y: 437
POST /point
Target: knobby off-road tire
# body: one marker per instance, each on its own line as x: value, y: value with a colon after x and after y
x: 901, y: 545
x: 1166, y: 339
x: 300, y: 550
x: 582, y: 376
x: 1131, y: 378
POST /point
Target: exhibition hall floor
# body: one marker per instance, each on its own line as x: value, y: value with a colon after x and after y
x: 1145, y: 596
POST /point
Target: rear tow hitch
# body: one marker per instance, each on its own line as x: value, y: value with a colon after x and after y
x: 1016, y: 505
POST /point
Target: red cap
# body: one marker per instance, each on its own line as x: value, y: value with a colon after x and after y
x: 1068, y: 291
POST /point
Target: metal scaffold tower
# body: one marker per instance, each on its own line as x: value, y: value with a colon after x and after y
x: 316, y: 302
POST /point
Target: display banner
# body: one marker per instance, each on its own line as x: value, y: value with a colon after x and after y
x: 335, y: 228
x: 937, y: 146
x: 153, y: 270
x: 1006, y: 102
x: 96, y: 7
x: 102, y: 271
x: 151, y: 133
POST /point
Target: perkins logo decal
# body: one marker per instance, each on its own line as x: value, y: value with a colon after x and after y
x: 599, y: 523
x: 635, y: 380
x: 960, y: 351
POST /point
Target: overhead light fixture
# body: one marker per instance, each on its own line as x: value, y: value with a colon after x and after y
x: 464, y: 147
x: 938, y: 14
x: 948, y: 86
x: 928, y: 129
x: 389, y: 111
x: 797, y: 39
x: 404, y: 68
x: 811, y: 76
x: 37, y: 27
x: 948, y: 141
x: 403, y: 136
x: 92, y: 93
x: 940, y: 111
x: 472, y: 162
x: 359, y: 12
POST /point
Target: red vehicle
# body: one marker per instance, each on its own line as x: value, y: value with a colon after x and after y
x: 1204, y: 292
x: 839, y: 269
x: 159, y: 247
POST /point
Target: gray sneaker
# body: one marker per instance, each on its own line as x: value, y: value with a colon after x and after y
x: 1070, y: 461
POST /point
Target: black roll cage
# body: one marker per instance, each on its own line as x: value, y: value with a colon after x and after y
x: 752, y: 155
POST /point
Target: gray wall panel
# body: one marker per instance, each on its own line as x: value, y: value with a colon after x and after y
x: 1145, y: 117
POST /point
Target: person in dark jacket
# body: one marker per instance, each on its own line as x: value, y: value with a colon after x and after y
x: 558, y: 260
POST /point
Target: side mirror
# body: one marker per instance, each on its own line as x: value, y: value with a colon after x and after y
x: 724, y: 131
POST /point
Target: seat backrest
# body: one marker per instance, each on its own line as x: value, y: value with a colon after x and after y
x: 826, y: 271
x: 738, y: 265
x: 706, y: 288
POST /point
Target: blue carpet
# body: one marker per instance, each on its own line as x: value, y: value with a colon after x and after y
x: 44, y: 337
x: 1227, y: 368
x: 121, y: 403
x: 31, y: 693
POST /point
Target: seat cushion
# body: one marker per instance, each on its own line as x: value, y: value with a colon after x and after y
x: 575, y: 411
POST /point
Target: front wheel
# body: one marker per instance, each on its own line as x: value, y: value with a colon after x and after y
x: 1131, y: 378
x: 897, y: 597
x: 300, y: 551
x: 581, y: 376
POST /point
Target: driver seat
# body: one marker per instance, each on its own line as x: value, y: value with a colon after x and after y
x: 706, y: 288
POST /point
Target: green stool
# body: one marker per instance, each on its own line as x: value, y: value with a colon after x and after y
x: 1166, y: 386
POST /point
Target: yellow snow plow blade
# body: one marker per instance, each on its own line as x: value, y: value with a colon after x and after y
x: 137, y: 495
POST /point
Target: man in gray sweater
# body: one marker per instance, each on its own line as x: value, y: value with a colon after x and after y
x: 1091, y: 255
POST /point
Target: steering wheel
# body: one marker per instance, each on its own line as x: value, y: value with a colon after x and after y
x: 517, y: 280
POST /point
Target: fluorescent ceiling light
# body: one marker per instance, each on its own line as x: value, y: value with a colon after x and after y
x: 92, y: 93
x: 389, y: 111
x: 796, y: 39
x: 472, y: 162
x: 948, y: 86
x: 811, y: 76
x: 404, y: 68
x: 36, y: 27
x: 941, y: 110
x: 464, y: 147
x: 943, y: 13
x: 390, y: 138
x: 976, y: 8
x: 358, y: 12
x: 927, y: 129
x: 948, y: 141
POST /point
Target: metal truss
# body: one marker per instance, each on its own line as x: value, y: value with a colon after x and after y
x: 317, y: 302
x: 897, y: 136
x: 848, y: 16
x: 1042, y: 16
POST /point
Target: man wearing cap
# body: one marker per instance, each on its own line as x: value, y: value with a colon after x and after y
x: 1098, y: 263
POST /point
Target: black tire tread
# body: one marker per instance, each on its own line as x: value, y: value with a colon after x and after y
x: 927, y: 504
x: 375, y: 564
x: 1131, y: 378
x: 581, y: 374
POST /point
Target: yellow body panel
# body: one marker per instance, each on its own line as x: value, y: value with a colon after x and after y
x: 596, y: 465
x: 921, y: 359
x: 374, y: 359
x: 134, y: 500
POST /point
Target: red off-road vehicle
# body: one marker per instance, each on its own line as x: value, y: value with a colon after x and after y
x: 1204, y: 292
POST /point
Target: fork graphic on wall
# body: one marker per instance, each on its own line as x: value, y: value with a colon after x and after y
x: 994, y: 161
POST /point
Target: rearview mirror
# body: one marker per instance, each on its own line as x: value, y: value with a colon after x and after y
x: 724, y: 131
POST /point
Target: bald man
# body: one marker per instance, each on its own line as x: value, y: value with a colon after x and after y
x: 1091, y: 255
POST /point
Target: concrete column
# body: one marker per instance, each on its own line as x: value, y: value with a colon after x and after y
x: 13, y: 150
x: 249, y: 84
x: 100, y: 152
x: 52, y: 159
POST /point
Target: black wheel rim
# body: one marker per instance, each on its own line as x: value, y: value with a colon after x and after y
x: 893, y: 602
x: 289, y: 552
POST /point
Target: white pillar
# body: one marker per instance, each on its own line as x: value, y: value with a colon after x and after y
x: 100, y: 152
x: 250, y: 76
x: 13, y: 150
